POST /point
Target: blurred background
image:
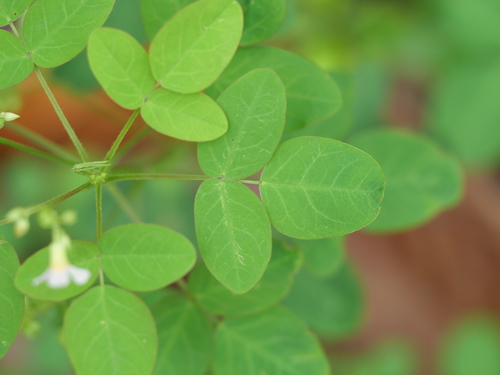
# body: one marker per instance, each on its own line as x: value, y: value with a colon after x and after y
x: 424, y: 299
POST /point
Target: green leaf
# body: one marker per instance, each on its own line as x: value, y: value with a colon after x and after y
x: 56, y: 31
x: 465, y: 113
x: 262, y: 19
x: 13, y: 59
x: 323, y: 257
x: 156, y: 12
x: 145, y: 257
x: 11, y: 300
x: 311, y: 94
x: 185, y: 337
x: 333, y: 306
x: 121, y: 65
x: 192, y: 117
x: 421, y: 179
x: 10, y: 10
x: 271, y: 288
x: 340, y: 124
x: 274, y: 342
x: 233, y: 233
x: 192, y: 49
x: 317, y: 188
x: 255, y: 107
x: 110, y: 331
x: 473, y: 347
x: 83, y: 254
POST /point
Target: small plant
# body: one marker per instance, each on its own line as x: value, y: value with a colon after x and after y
x: 128, y: 308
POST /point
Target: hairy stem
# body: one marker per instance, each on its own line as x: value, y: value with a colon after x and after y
x: 52, y: 202
x: 62, y: 117
x: 42, y: 141
x: 98, y: 210
x: 33, y: 151
x: 156, y: 176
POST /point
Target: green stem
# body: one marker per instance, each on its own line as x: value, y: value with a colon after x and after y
x: 42, y: 141
x: 98, y: 210
x: 123, y: 203
x: 52, y: 202
x: 251, y: 182
x: 14, y: 30
x: 62, y: 117
x: 131, y: 143
x: 156, y: 176
x: 119, y: 139
x: 33, y: 151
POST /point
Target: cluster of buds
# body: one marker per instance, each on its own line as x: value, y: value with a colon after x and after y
x: 6, y: 117
x: 21, y: 220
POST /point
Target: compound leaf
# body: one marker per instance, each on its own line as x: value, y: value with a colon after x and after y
x: 192, y: 117
x: 109, y: 331
x: 262, y: 19
x: 184, y: 335
x: 144, y: 257
x: 311, y: 93
x: 121, y: 65
x: 55, y: 31
x: 82, y: 254
x: 255, y: 107
x: 421, y: 179
x: 233, y: 233
x: 317, y: 188
x: 10, y: 10
x: 271, y: 288
x: 14, y: 60
x: 192, y: 49
x: 273, y: 342
x: 11, y: 300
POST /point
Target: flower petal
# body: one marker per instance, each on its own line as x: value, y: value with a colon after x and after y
x: 59, y: 279
x: 40, y: 279
x: 80, y: 276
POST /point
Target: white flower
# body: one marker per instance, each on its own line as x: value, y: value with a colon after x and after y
x: 61, y: 272
x: 58, y: 278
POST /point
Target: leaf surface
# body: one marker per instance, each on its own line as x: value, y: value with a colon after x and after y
x: 156, y: 12
x: 83, y: 254
x: 192, y: 49
x: 262, y: 19
x: 14, y: 60
x: 333, y: 306
x: 55, y: 31
x: 145, y: 257
x: 185, y: 337
x: 109, y: 331
x: 192, y: 117
x: 317, y: 188
x: 311, y: 93
x: 271, y: 288
x: 121, y: 65
x: 233, y: 233
x: 273, y: 342
x: 421, y: 179
x: 255, y: 107
x: 10, y: 10
x: 11, y: 300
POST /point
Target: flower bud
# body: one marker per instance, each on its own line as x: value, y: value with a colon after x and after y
x: 20, y: 219
x: 69, y: 217
x: 9, y: 116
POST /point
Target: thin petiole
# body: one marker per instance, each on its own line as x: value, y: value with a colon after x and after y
x: 98, y: 205
x: 131, y: 143
x: 119, y: 139
x: 62, y: 117
x: 52, y: 202
x: 42, y: 141
x: 33, y: 151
